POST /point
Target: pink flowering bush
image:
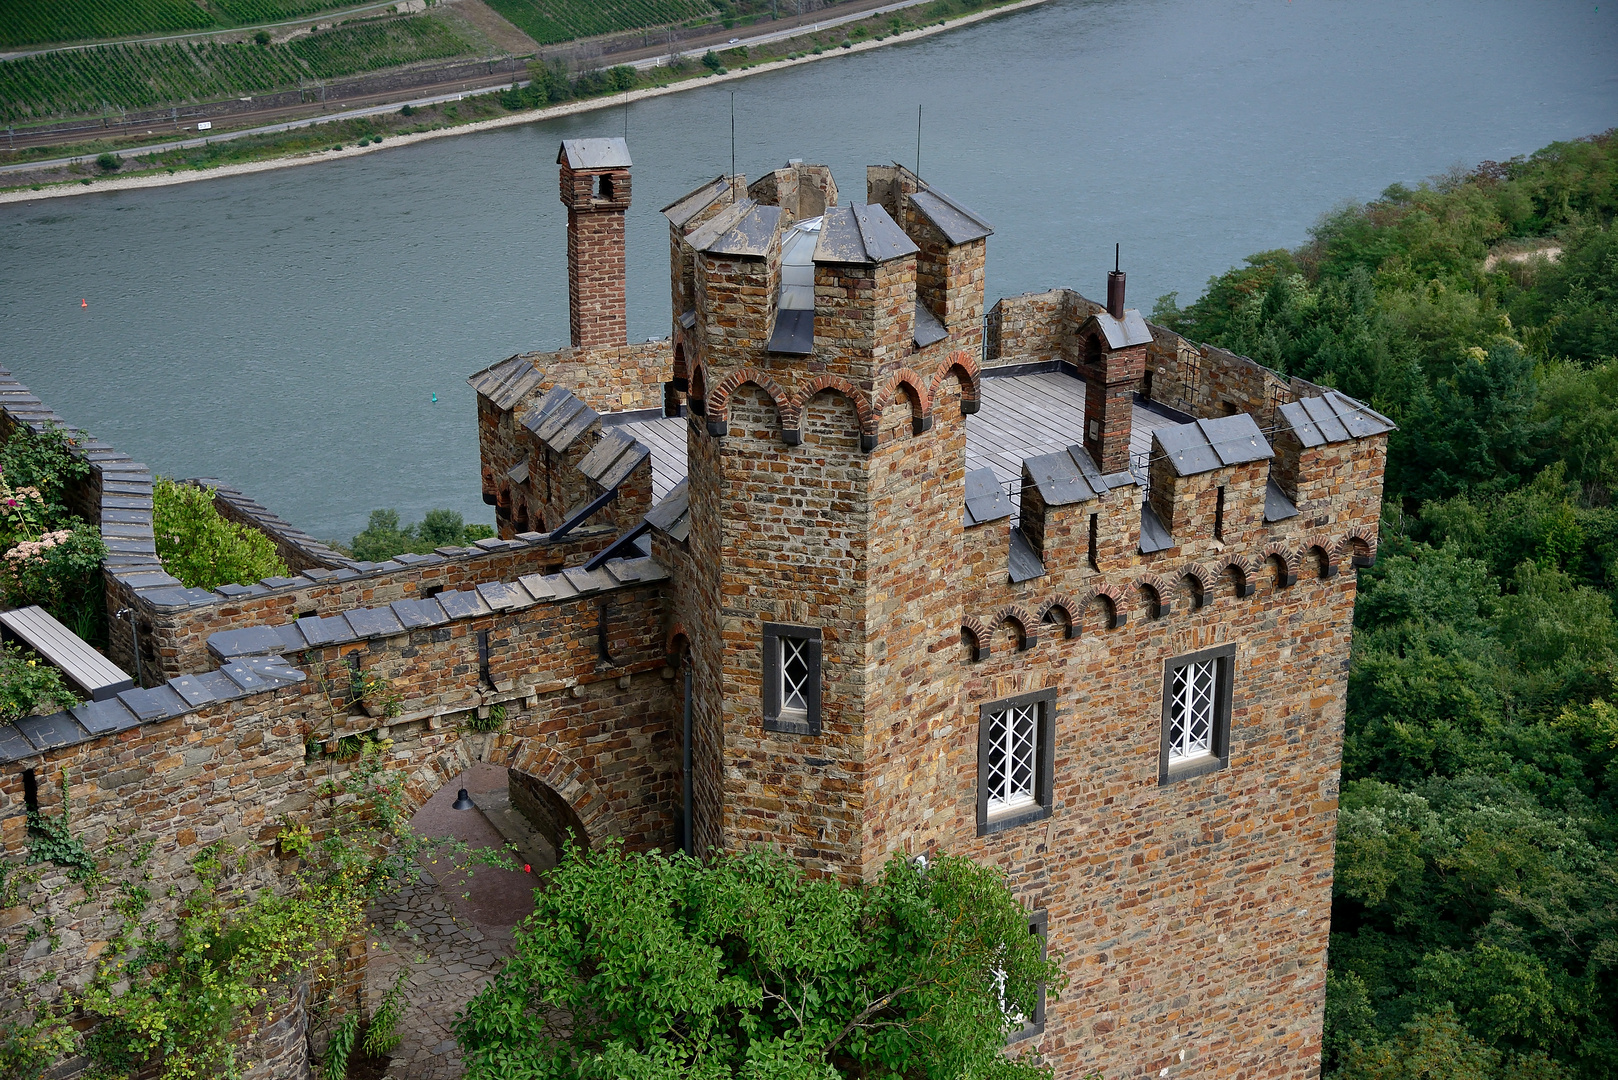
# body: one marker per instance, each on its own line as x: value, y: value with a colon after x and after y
x: 48, y: 556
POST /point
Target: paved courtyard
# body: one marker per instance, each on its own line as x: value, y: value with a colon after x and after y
x: 452, y: 931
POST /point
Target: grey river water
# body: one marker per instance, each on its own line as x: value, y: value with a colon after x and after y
x: 288, y: 330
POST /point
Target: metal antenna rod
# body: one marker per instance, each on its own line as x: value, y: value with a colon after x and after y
x: 1116, y: 248
x: 918, y: 140
x: 733, y: 133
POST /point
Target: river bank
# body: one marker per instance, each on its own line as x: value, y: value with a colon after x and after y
x: 83, y: 185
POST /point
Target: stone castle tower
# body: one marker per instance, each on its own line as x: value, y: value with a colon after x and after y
x: 1044, y: 584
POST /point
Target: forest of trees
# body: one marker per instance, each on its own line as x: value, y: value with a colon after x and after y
x: 1475, y: 922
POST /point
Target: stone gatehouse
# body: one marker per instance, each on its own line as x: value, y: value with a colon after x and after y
x: 850, y: 564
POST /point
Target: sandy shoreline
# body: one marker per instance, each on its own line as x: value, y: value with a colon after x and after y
x: 126, y: 183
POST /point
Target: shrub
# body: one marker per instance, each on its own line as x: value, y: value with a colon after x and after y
x: 201, y: 548
x: 711, y: 61
x: 109, y: 162
x: 407, y: 110
x: 384, y: 537
x: 29, y: 687
x: 61, y: 572
x: 262, y: 37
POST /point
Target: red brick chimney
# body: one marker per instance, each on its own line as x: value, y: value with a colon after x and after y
x: 595, y: 190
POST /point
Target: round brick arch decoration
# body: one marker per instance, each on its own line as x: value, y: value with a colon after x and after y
x: 1060, y: 611
x: 964, y: 367
x: 1114, y: 603
x: 1242, y: 573
x: 921, y: 402
x: 1200, y: 584
x: 1322, y: 548
x: 822, y: 383
x: 1157, y: 589
x: 1027, y: 628
x: 1360, y: 546
x: 981, y: 640
x: 1288, y: 574
x: 697, y: 393
x: 719, y: 399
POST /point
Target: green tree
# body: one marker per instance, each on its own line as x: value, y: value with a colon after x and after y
x: 384, y: 537
x: 648, y: 966
x: 200, y: 547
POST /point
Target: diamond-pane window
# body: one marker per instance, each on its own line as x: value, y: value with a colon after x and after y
x: 1015, y: 761
x: 1013, y: 744
x: 1191, y: 716
x: 795, y: 670
x: 791, y: 689
x: 1196, y: 713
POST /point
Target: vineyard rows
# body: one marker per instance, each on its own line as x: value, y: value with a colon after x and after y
x: 84, y: 82
x: 40, y: 22
x: 33, y: 22
x: 548, y: 21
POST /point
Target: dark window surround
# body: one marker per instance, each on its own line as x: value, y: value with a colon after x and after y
x: 1038, y: 923
x: 1224, y: 676
x: 1045, y: 753
x: 773, y: 633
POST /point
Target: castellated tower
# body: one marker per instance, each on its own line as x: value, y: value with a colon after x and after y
x: 595, y: 190
x: 825, y: 449
x: 1039, y: 583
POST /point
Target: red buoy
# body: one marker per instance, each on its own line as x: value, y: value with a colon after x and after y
x: 84, y: 303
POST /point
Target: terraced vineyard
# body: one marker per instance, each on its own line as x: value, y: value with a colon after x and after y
x: 35, y: 22
x: 548, y: 21
x: 87, y: 81
x: 49, y: 22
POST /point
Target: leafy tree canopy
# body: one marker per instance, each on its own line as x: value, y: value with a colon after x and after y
x: 643, y: 966
x: 384, y: 537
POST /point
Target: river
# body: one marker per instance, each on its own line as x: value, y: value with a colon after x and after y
x: 291, y: 330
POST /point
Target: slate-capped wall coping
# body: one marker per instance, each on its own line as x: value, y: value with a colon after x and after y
x: 401, y: 616
x: 241, y: 677
x: 125, y: 517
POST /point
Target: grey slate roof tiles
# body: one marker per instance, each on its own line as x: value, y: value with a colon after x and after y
x: 1065, y: 477
x: 610, y: 153
x: 689, y: 205
x: 374, y: 622
x: 158, y: 703
x: 13, y: 746
x: 1205, y: 445
x: 49, y: 732
x: 505, y: 383
x: 104, y: 717
x: 955, y: 221
x: 1333, y: 418
x: 462, y: 605
x: 1122, y: 333
x: 986, y: 500
x: 746, y: 229
x: 861, y: 233
x: 1277, y: 507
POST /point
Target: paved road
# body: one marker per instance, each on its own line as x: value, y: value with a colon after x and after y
x: 394, y: 105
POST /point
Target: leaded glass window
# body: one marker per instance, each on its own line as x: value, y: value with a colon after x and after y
x: 1013, y: 746
x: 1191, y: 714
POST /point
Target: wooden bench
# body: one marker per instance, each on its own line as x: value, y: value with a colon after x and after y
x: 85, y: 668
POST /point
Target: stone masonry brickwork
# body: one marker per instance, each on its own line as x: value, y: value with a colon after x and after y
x: 823, y: 491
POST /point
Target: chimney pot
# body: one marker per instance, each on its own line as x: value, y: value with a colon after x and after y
x: 1115, y: 293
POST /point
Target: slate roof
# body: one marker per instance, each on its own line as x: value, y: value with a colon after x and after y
x: 928, y: 329
x: 594, y: 154
x: 692, y: 203
x: 1122, y: 333
x: 1204, y: 445
x: 559, y: 418
x: 746, y: 229
x: 614, y: 458
x: 1333, y: 418
x: 505, y: 383
x: 1065, y: 477
x: 955, y: 221
x: 861, y: 233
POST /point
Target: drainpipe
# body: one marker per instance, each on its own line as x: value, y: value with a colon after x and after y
x: 685, y: 765
x: 134, y: 633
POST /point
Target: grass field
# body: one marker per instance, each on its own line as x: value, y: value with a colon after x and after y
x: 548, y: 21
x: 88, y: 81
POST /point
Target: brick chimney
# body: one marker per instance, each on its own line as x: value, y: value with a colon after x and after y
x: 595, y: 190
x: 1114, y: 342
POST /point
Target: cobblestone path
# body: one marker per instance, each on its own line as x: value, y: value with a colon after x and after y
x: 452, y: 932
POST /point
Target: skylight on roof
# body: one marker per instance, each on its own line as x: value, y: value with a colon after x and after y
x: 798, y: 266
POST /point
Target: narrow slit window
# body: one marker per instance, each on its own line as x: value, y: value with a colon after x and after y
x: 1219, y: 514
x: 1094, y: 529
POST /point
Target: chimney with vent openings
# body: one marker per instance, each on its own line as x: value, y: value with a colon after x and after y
x: 595, y: 190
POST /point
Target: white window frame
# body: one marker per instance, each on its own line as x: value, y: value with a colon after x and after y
x: 791, y: 706
x: 1196, y: 713
x: 1009, y: 797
